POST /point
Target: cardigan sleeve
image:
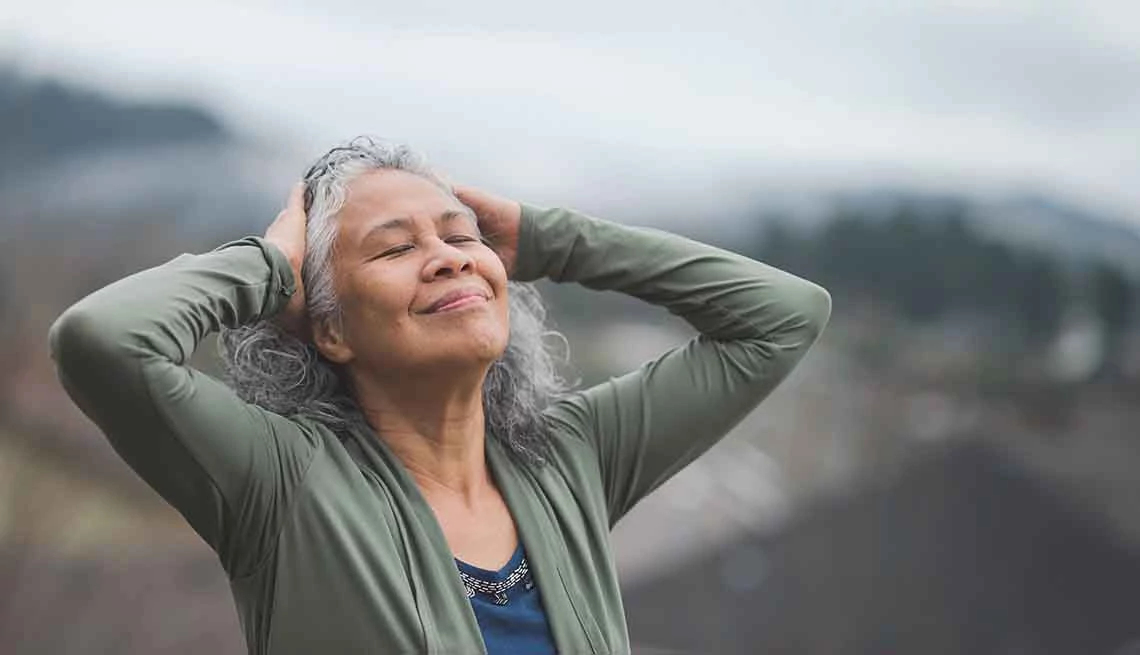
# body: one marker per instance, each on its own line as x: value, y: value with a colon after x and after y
x: 755, y: 323
x: 121, y: 353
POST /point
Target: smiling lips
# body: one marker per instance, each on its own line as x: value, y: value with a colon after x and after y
x: 457, y: 299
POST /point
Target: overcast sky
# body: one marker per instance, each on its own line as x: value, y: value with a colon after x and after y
x: 985, y: 93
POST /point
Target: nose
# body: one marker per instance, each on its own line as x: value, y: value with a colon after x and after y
x: 446, y: 260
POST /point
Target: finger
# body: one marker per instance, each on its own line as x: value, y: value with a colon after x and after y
x: 472, y: 197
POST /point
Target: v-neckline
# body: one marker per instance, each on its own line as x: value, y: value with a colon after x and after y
x: 503, y: 571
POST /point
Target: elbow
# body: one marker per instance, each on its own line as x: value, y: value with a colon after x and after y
x: 67, y: 334
x: 815, y: 309
x: 75, y: 337
x: 806, y: 309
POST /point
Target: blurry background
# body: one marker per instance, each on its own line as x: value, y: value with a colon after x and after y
x: 953, y: 468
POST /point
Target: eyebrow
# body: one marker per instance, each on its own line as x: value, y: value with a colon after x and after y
x: 405, y: 223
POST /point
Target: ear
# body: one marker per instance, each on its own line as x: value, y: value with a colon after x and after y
x: 328, y: 337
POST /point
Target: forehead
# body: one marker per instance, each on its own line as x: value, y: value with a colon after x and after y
x: 380, y: 196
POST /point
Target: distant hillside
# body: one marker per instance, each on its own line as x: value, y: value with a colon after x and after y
x: 74, y: 156
x: 1022, y: 269
x: 1034, y: 221
x: 44, y: 120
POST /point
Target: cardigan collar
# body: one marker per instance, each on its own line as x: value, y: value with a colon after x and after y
x: 432, y: 564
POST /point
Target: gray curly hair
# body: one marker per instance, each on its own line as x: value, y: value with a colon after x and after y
x: 270, y: 368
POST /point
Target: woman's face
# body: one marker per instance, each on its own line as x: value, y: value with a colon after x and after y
x: 417, y: 286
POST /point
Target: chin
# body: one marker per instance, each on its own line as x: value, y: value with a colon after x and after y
x: 489, y: 347
x: 476, y: 344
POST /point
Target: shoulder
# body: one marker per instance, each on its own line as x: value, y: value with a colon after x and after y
x: 571, y: 453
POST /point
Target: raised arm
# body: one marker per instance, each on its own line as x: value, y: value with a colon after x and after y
x: 122, y: 354
x: 755, y: 322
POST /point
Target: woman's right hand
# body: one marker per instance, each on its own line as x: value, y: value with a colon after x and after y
x: 287, y: 232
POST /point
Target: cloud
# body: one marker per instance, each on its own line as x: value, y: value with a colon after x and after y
x: 1010, y: 90
x: 1040, y: 72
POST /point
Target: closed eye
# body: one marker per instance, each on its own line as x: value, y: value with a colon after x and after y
x: 461, y: 238
x: 397, y: 250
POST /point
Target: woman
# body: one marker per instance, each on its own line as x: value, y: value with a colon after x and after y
x: 400, y: 475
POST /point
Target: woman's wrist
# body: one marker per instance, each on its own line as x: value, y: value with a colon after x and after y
x: 528, y: 259
x: 282, y: 282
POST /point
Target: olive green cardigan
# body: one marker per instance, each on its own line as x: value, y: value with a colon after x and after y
x: 327, y: 542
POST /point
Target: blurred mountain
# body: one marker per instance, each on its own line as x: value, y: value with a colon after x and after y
x: 45, y: 120
x: 73, y: 155
x: 1027, y: 220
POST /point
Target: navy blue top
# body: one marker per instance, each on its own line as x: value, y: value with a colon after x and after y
x: 508, y: 608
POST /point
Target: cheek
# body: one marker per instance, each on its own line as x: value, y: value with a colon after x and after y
x: 504, y: 311
x: 491, y: 269
x: 375, y: 305
x: 496, y: 276
x: 503, y: 321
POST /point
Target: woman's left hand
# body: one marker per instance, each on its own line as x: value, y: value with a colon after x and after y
x: 499, y: 220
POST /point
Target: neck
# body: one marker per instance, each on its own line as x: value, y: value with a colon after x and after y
x: 435, y: 425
